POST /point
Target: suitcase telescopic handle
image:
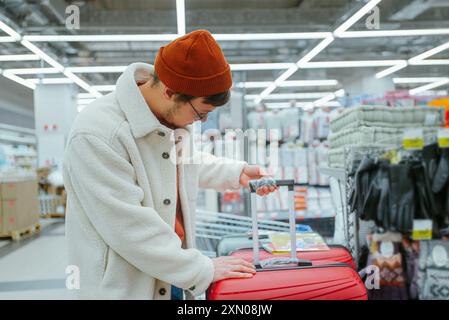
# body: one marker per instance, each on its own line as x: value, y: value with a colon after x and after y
x: 269, y: 182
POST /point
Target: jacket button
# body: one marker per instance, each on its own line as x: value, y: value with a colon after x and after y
x: 162, y: 291
x: 162, y: 134
x: 167, y: 202
x: 165, y: 155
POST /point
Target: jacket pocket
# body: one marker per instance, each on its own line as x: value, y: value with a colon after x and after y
x: 105, y: 260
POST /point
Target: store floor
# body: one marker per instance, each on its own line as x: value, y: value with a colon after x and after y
x: 34, y: 267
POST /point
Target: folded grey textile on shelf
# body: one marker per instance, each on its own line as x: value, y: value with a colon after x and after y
x: 382, y: 116
x: 381, y: 136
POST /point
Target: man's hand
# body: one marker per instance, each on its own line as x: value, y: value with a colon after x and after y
x: 230, y: 267
x: 253, y: 172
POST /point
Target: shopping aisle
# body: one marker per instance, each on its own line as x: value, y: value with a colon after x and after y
x: 34, y: 268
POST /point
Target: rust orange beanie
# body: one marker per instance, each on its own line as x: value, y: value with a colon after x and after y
x: 194, y: 65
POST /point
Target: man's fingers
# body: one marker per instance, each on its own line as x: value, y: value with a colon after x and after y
x: 240, y: 275
x: 241, y: 268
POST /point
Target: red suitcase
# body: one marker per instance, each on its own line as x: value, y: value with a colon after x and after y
x: 289, y: 278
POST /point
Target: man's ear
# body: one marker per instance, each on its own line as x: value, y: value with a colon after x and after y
x: 168, y: 93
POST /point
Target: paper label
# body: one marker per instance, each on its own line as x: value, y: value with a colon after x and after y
x: 439, y: 256
x: 413, y: 139
x: 443, y: 138
x: 422, y: 230
x: 387, y: 249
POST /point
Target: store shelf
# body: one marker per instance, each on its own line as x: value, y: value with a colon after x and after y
x: 333, y: 172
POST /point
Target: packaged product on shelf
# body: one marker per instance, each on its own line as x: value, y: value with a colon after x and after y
x: 321, y: 120
x: 290, y: 123
x: 300, y: 161
x: 273, y: 122
x: 307, y: 127
x: 312, y: 163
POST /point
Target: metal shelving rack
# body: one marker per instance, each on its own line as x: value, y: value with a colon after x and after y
x: 350, y: 220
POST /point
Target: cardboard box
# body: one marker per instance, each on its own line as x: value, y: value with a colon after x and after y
x: 8, y: 190
x: 23, y: 210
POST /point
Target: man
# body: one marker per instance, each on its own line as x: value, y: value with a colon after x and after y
x: 130, y: 223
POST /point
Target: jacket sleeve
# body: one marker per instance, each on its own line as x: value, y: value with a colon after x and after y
x: 103, y: 181
x: 219, y: 173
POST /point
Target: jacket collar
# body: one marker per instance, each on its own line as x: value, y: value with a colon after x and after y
x: 140, y: 117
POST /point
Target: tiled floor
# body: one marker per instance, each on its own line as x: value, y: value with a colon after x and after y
x: 34, y: 267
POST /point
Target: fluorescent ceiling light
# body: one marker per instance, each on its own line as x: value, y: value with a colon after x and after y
x: 391, y: 70
x: 83, y: 84
x: 292, y: 69
x: 10, y: 31
x: 268, y: 90
x: 170, y: 37
x: 433, y: 93
x: 19, y: 80
x: 430, y: 53
x: 282, y: 96
x: 417, y: 80
x: 253, y: 84
x: 7, y: 39
x: 429, y: 86
x: 282, y: 105
x: 315, y: 51
x: 430, y: 62
x: 19, y: 57
x: 351, y: 64
x: 181, y: 17
x: 308, y: 83
x: 43, y: 55
x: 271, y: 36
x: 393, y: 33
x: 33, y: 71
x: 340, y: 93
x: 323, y: 101
x: 51, y: 81
x: 356, y: 17
x: 104, y: 88
x: 99, y: 69
x: 260, y: 66
x: 105, y: 38
x: 285, y: 75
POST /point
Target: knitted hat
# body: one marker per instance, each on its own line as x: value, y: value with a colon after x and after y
x: 194, y: 65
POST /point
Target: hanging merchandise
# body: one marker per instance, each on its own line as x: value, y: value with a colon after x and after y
x: 433, y: 280
x: 386, y: 256
x: 256, y: 120
x: 273, y: 121
x: 411, y: 249
x: 290, y: 123
x: 300, y: 161
x: 321, y: 120
x: 312, y: 163
x: 307, y: 127
x: 321, y: 154
x: 393, y: 195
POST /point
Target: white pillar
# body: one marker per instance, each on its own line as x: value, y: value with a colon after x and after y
x: 54, y: 112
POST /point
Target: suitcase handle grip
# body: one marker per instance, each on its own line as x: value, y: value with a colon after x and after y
x: 282, y: 262
x: 270, y: 182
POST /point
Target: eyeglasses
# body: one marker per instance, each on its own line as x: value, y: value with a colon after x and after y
x: 198, y: 115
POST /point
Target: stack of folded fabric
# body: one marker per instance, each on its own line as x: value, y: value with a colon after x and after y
x: 379, y: 126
